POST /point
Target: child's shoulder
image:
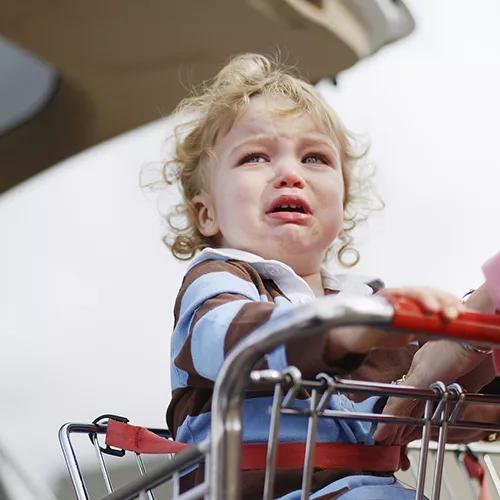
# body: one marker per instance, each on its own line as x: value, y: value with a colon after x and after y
x: 213, y: 273
x: 213, y: 261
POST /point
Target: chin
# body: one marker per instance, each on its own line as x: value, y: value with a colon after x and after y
x: 295, y: 253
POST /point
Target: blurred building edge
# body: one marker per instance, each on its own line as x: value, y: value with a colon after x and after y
x: 26, y: 85
x: 123, y: 64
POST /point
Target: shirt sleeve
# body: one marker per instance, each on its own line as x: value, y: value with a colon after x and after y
x: 219, y: 304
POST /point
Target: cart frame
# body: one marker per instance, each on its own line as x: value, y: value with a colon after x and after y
x: 223, y: 450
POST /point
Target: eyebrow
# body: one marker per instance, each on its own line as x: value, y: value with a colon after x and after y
x: 315, y: 138
x: 254, y: 139
x: 308, y: 139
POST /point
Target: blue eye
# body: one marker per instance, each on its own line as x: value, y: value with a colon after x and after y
x: 314, y: 158
x: 253, y: 158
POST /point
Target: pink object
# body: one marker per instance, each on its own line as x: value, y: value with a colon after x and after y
x: 491, y: 271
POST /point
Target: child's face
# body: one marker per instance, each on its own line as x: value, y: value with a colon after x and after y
x: 277, y: 187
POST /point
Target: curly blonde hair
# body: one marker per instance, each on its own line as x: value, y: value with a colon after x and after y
x: 211, y: 111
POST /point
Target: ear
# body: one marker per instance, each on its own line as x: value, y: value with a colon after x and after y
x: 204, y: 210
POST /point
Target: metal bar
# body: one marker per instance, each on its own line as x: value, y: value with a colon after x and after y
x: 306, y: 322
x: 175, y: 485
x: 151, y: 479
x: 424, y: 449
x: 272, y: 443
x: 331, y: 387
x: 70, y: 457
x: 198, y: 491
x: 207, y: 472
x: 370, y: 417
x: 142, y: 471
x: 392, y: 419
x: 365, y: 387
x: 310, y: 445
x: 484, y: 426
x: 102, y: 463
x: 482, y: 399
x: 374, y: 388
x: 493, y: 472
x: 295, y: 376
x: 443, y: 434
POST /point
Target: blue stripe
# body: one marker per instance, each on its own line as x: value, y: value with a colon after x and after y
x: 256, y: 420
x: 209, y: 333
x: 202, y: 289
x: 363, y: 487
x: 212, y: 284
x: 276, y: 359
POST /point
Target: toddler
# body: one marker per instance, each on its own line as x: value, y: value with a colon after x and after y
x: 271, y: 180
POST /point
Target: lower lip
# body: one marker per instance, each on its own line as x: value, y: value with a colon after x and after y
x: 296, y: 217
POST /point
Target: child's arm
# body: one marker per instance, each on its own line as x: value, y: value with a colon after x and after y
x: 220, y: 304
x: 361, y: 339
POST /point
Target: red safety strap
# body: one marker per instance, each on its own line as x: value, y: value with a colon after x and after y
x: 475, y: 470
x: 290, y: 455
x: 138, y: 439
x: 374, y: 458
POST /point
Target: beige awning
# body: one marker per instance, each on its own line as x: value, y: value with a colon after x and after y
x: 123, y: 63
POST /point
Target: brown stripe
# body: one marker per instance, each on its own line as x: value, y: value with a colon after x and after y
x: 206, y: 267
x: 248, y: 318
x: 248, y: 270
x: 273, y: 290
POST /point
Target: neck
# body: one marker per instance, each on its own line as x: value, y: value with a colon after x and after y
x: 316, y: 284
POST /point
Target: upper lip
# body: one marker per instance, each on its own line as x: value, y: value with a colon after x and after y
x: 287, y: 199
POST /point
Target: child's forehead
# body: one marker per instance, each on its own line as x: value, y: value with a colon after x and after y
x: 267, y: 115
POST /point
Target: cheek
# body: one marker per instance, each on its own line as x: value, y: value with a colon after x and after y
x: 235, y: 200
x: 332, y: 202
x: 333, y: 191
x: 244, y: 187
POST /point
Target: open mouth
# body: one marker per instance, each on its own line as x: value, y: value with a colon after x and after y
x: 289, y: 204
x: 289, y: 208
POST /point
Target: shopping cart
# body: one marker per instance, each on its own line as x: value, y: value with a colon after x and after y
x: 221, y: 454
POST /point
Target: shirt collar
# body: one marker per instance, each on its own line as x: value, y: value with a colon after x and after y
x: 287, y: 280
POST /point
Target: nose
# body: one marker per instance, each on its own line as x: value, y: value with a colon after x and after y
x: 288, y: 176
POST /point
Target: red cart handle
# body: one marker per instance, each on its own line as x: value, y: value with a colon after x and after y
x: 474, y: 327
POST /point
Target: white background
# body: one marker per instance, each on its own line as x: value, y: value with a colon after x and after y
x: 87, y: 287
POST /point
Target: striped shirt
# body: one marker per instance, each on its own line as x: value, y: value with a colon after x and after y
x: 225, y: 295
